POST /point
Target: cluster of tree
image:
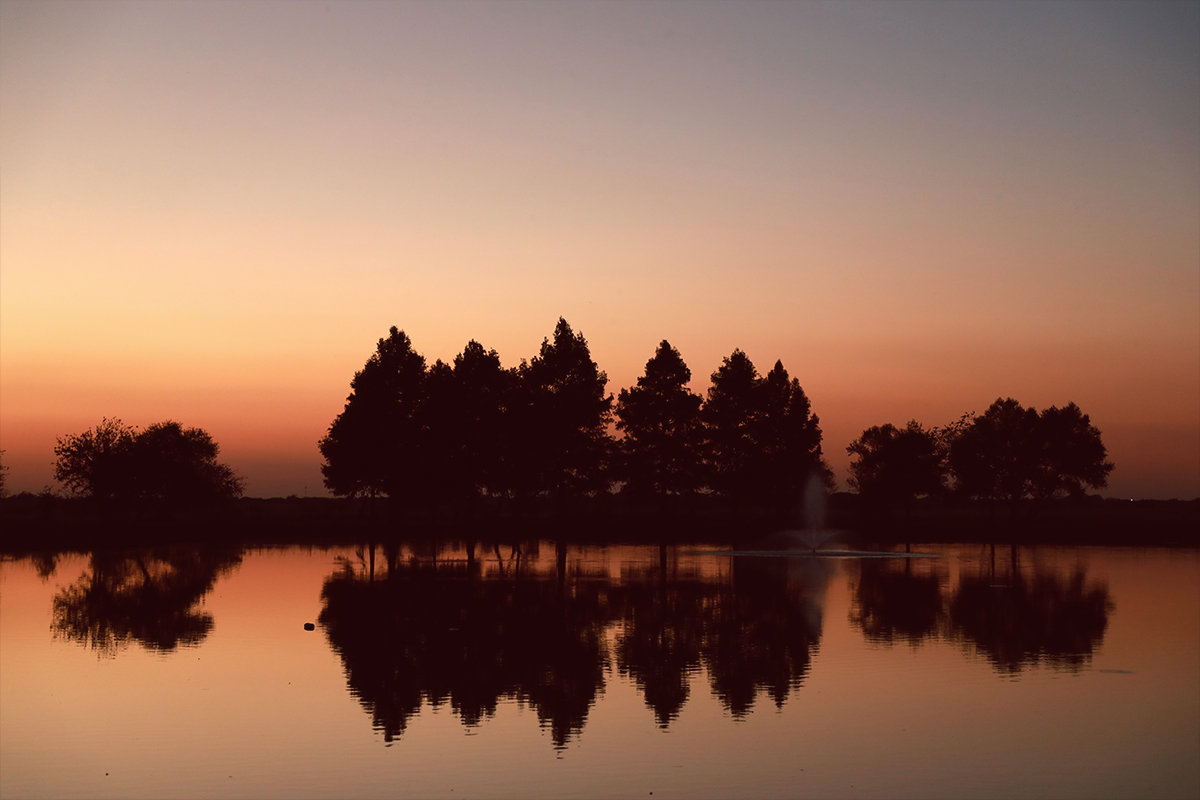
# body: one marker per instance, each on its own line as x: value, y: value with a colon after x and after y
x: 456, y: 433
x: 164, y: 465
x: 1006, y: 454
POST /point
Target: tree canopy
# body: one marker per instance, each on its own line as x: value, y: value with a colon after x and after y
x: 788, y: 440
x: 371, y: 446
x: 729, y: 414
x: 164, y: 464
x: 450, y: 435
x: 895, y: 465
x: 1008, y: 453
x: 660, y: 418
x: 762, y: 441
x: 570, y: 413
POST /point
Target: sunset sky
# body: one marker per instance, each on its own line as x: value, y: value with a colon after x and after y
x: 211, y: 211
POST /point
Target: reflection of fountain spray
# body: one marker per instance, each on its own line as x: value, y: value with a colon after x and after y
x: 815, y: 533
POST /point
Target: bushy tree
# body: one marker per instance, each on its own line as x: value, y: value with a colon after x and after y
x: 660, y: 418
x: 1073, y: 456
x: 996, y: 457
x: 166, y: 464
x: 372, y: 446
x: 97, y: 462
x: 179, y: 465
x: 1010, y: 452
x: 895, y: 465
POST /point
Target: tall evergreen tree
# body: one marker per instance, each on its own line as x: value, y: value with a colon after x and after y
x: 660, y: 418
x: 372, y: 446
x: 730, y: 413
x: 441, y: 443
x: 484, y: 387
x: 787, y: 436
x: 762, y: 441
x: 570, y: 413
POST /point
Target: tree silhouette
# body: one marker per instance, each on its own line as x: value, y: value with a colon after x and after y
x: 787, y: 436
x: 996, y: 457
x: 896, y: 465
x: 371, y: 447
x: 441, y: 441
x: 462, y: 421
x: 569, y: 414
x: 762, y: 441
x: 97, y: 462
x: 660, y: 418
x: 484, y: 388
x: 166, y: 465
x: 1011, y: 452
x: 729, y: 413
x: 1073, y: 456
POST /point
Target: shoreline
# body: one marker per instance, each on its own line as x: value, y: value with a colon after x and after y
x: 67, y: 524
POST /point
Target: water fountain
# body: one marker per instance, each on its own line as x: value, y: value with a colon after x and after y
x: 814, y: 533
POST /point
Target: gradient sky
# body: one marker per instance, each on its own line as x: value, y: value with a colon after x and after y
x: 212, y: 211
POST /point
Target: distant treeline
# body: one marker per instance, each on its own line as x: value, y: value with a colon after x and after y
x: 454, y: 440
x: 451, y: 435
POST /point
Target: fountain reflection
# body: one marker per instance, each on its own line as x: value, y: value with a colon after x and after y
x: 149, y: 597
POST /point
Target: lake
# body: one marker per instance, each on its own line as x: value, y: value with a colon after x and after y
x: 536, y: 670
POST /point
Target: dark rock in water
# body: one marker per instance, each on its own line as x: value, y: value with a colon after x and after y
x: 308, y: 626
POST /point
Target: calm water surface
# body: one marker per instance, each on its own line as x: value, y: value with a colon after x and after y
x: 600, y: 672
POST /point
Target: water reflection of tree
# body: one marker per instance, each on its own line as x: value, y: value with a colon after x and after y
x: 437, y: 633
x: 149, y: 597
x: 895, y: 600
x: 424, y: 632
x: 764, y: 629
x: 1018, y: 620
x: 663, y: 634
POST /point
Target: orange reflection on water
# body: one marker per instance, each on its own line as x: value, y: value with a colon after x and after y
x: 579, y: 671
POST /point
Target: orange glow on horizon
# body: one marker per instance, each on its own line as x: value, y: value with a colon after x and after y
x: 915, y: 224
